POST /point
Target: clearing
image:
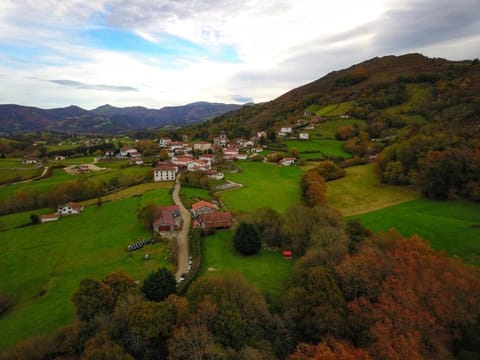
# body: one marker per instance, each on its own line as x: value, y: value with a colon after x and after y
x: 451, y: 226
x: 360, y: 192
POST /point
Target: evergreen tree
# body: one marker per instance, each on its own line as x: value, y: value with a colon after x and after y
x: 247, y: 239
x: 158, y: 285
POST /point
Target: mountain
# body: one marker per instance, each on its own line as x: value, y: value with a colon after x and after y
x: 391, y: 89
x: 106, y: 118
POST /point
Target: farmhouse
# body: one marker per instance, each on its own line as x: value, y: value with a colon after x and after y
x: 31, y: 160
x: 164, y: 172
x: 59, y: 158
x: 304, y: 136
x: 230, y: 153
x: 202, y: 146
x: 203, y: 207
x: 164, y: 142
x: 286, y: 129
x: 216, y: 220
x: 166, y: 218
x: 198, y: 165
x: 181, y: 160
x: 261, y: 134
x: 128, y: 152
x: 70, y: 208
x: 287, y: 161
x: 136, y: 161
x: 207, y: 157
x: 49, y: 217
x: 214, y: 174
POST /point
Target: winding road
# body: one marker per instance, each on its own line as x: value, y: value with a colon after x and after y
x: 182, y: 237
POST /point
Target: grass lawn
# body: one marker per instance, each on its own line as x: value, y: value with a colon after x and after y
x: 12, y: 221
x: 327, y: 129
x: 267, y: 270
x: 327, y: 148
x: 189, y: 195
x: 360, y: 192
x: 10, y: 176
x: 451, y: 226
x: 265, y: 185
x: 42, y: 265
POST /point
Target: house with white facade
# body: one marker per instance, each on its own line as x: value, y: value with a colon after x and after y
x: 198, y: 165
x: 70, y: 208
x: 202, y: 146
x: 304, y: 136
x: 287, y: 161
x: 165, y: 172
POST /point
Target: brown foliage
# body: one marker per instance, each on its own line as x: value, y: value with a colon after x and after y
x: 329, y: 349
x: 313, y: 189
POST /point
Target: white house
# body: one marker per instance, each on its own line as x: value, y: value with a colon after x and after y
x: 164, y: 142
x: 164, y: 172
x: 70, y: 208
x: 286, y: 129
x: 261, y: 134
x: 214, y: 174
x: 241, y: 156
x: 31, y: 160
x: 202, y: 146
x: 207, y: 157
x: 136, y: 161
x: 59, y: 157
x: 287, y: 161
x: 198, y: 165
x: 304, y: 136
x: 181, y: 160
x: 129, y: 152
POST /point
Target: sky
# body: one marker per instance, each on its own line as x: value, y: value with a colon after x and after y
x: 155, y: 53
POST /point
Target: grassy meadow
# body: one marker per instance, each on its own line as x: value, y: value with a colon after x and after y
x: 327, y: 129
x: 42, y: 265
x: 267, y: 271
x: 264, y: 185
x: 360, y: 192
x: 451, y: 226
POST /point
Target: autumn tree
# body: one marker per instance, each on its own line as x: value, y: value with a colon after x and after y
x: 246, y: 239
x: 159, y: 284
x: 313, y: 188
x: 329, y: 170
x: 329, y: 349
x: 315, y: 306
x: 269, y: 225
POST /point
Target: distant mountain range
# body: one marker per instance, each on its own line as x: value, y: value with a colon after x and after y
x: 106, y: 118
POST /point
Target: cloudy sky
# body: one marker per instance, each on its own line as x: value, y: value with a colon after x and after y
x: 155, y: 53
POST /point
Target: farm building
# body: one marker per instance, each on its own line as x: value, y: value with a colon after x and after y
x: 287, y: 161
x: 59, y: 158
x: 166, y: 218
x: 70, y: 208
x: 49, y: 217
x: 217, y: 220
x: 214, y: 174
x: 203, y: 207
x: 304, y: 136
x: 202, y: 146
x: 165, y: 172
x: 31, y: 160
x: 198, y: 165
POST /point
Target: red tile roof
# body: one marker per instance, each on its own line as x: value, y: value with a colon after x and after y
x: 164, y: 215
x: 216, y: 220
x: 203, y: 203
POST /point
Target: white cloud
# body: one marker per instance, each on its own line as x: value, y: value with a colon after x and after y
x: 280, y: 44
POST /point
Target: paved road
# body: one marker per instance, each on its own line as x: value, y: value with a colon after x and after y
x: 182, y: 239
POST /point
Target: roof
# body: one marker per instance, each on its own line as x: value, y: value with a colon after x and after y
x: 203, y: 203
x: 164, y: 215
x: 204, y: 142
x: 165, y: 167
x: 73, y: 205
x: 216, y: 219
x: 50, y: 216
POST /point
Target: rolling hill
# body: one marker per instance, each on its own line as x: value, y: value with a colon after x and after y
x: 396, y: 90
x: 106, y: 118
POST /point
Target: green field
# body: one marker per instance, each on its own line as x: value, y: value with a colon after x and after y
x: 265, y: 185
x: 267, y: 271
x: 451, y: 226
x: 190, y: 195
x: 15, y: 163
x: 11, y: 176
x: 327, y: 129
x: 360, y: 192
x: 41, y: 265
x: 321, y: 148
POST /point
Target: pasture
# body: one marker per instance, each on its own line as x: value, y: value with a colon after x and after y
x: 267, y: 271
x: 264, y: 185
x: 450, y: 226
x: 360, y: 191
x: 308, y: 149
x: 42, y: 265
x: 327, y: 129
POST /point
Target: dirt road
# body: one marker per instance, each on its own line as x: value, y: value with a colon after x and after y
x: 182, y: 239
